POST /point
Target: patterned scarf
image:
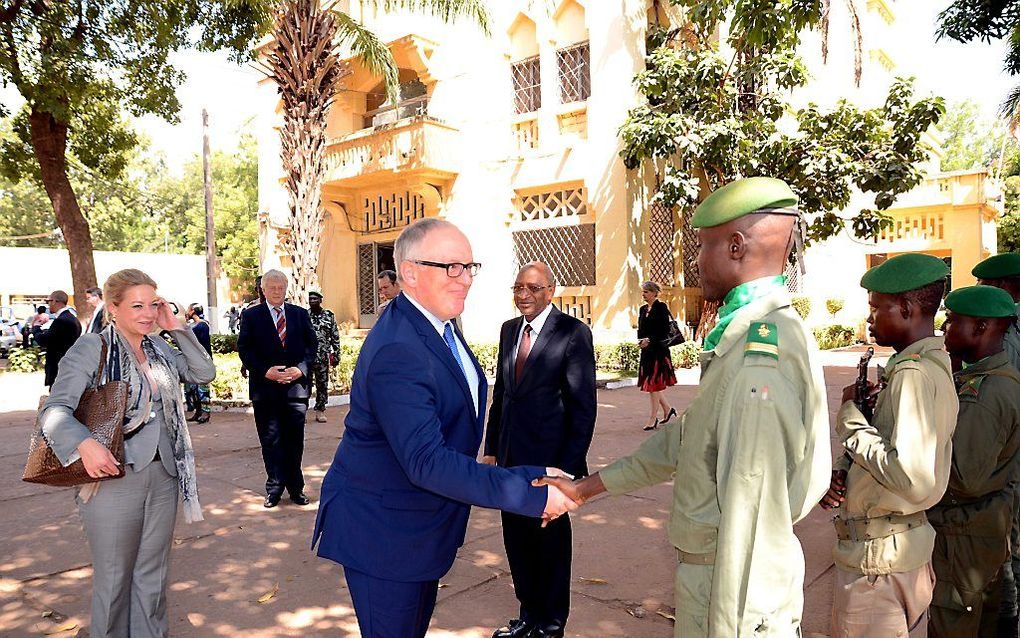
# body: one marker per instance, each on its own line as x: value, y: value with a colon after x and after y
x: 738, y: 298
x: 122, y: 365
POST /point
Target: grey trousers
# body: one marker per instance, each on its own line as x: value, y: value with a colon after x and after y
x: 129, y: 524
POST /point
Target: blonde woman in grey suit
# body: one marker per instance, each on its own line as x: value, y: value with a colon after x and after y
x: 129, y: 521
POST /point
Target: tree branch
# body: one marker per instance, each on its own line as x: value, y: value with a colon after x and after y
x: 9, y: 13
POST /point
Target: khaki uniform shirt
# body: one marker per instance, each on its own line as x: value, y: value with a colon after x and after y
x: 985, y: 450
x: 901, y: 460
x: 752, y: 457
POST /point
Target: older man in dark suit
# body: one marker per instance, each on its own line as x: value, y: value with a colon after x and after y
x: 58, y: 335
x: 277, y: 346
x: 543, y: 413
x: 395, y: 502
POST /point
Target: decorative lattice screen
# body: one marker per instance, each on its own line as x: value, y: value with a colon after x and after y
x: 792, y: 277
x: 569, y: 202
x: 568, y: 250
x: 527, y: 81
x: 575, y: 73
x: 366, y: 279
x: 689, y: 250
x: 661, y: 232
x: 393, y: 210
x: 526, y: 134
x: 578, y: 307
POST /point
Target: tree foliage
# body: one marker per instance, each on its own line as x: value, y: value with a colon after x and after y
x: 712, y: 116
x: 972, y: 142
x: 79, y: 66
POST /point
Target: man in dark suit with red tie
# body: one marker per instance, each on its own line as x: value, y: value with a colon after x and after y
x: 543, y: 413
x: 277, y: 346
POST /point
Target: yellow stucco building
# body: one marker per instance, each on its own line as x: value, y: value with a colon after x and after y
x: 513, y: 137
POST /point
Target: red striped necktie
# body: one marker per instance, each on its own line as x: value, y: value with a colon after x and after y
x: 281, y: 325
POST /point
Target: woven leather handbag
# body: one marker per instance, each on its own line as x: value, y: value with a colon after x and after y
x: 101, y: 409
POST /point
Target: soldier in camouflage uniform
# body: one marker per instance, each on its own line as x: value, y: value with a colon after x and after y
x: 328, y: 335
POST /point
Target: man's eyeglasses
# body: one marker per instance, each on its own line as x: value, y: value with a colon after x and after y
x: 519, y: 289
x: 453, y: 269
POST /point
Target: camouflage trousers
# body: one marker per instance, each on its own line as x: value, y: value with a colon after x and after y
x: 320, y: 379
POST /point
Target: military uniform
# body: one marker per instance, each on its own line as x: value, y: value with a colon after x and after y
x: 328, y: 335
x: 897, y: 467
x: 973, y: 519
x: 751, y: 457
x: 1002, y: 266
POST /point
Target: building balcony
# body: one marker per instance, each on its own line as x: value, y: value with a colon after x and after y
x: 403, y: 142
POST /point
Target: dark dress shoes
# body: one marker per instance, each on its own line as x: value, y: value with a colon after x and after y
x: 516, y: 628
x: 272, y: 501
x: 300, y: 498
x: 548, y: 631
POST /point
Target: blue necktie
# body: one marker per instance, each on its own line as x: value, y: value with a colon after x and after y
x: 448, y: 337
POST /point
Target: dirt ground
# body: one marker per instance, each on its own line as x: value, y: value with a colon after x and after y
x: 247, y: 571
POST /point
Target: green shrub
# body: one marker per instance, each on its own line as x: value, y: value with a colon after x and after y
x: 802, y: 305
x: 940, y: 320
x: 341, y: 374
x: 835, y: 336
x: 228, y: 384
x: 834, y: 305
x: 686, y: 355
x: 25, y: 359
x: 617, y: 357
x: 487, y: 355
x: 223, y: 344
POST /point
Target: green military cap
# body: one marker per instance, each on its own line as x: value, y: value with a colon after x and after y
x: 998, y: 267
x: 905, y: 272
x: 743, y: 197
x: 981, y: 301
x: 315, y: 293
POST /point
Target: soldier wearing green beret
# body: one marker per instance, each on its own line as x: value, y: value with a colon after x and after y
x: 972, y: 521
x: 327, y: 354
x: 896, y: 466
x: 1003, y: 271
x: 751, y: 454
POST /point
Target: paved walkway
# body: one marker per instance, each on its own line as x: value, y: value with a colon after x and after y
x: 248, y: 572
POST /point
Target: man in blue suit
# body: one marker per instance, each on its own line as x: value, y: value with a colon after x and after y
x: 394, y: 504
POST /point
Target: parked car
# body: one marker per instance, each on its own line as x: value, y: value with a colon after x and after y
x: 10, y: 337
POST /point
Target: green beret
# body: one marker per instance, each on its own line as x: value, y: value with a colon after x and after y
x: 909, y: 271
x: 981, y: 301
x: 743, y: 197
x: 998, y: 266
x: 315, y: 293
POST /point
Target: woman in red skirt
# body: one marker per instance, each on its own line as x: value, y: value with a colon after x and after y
x: 655, y: 370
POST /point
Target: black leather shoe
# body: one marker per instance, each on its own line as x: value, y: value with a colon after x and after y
x: 203, y: 418
x: 669, y: 417
x: 516, y: 628
x: 548, y: 631
x: 272, y: 501
x: 194, y: 417
x: 300, y: 499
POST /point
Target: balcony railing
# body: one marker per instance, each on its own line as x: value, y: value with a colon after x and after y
x: 417, y: 144
x: 391, y: 113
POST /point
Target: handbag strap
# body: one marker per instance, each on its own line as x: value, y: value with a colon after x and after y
x: 102, y: 362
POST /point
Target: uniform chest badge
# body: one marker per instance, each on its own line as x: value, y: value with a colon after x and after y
x: 763, y: 331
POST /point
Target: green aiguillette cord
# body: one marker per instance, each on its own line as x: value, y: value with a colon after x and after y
x: 737, y: 299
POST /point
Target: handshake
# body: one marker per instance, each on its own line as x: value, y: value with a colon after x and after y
x: 566, y: 494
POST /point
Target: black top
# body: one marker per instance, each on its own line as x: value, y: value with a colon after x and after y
x: 57, y: 340
x: 653, y: 323
x: 201, y: 330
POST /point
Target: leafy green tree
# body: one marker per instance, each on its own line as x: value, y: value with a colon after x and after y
x: 78, y: 65
x: 971, y: 141
x: 711, y: 116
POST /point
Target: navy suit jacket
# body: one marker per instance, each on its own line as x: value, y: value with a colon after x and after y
x: 395, y: 502
x: 259, y: 348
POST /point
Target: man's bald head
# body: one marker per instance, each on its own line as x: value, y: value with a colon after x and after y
x: 742, y: 250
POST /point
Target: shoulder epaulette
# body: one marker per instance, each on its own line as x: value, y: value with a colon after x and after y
x: 907, y: 357
x: 762, y: 339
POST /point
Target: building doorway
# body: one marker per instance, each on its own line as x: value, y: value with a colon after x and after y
x: 373, y: 258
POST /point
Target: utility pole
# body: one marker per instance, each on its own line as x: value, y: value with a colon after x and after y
x: 212, y: 314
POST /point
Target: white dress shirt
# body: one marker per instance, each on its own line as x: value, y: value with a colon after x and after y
x: 536, y: 329
x: 469, y: 368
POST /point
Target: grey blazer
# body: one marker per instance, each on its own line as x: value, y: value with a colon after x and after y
x: 77, y: 372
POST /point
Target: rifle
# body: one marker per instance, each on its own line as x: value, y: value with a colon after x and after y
x: 861, y: 398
